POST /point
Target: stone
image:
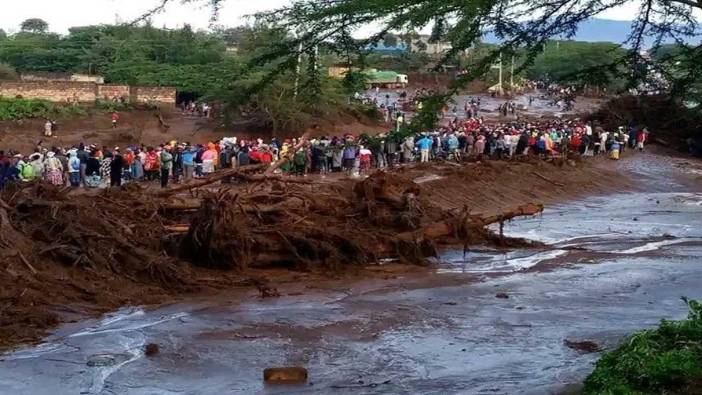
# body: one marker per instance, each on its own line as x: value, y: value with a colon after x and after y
x: 151, y: 349
x: 286, y: 375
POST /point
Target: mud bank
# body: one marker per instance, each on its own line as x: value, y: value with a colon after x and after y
x: 109, y: 248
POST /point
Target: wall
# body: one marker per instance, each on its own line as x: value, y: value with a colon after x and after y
x: 85, y: 92
x: 150, y: 94
x: 109, y: 92
x: 54, y: 91
x: 56, y: 77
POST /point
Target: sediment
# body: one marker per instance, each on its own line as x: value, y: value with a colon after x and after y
x: 68, y: 253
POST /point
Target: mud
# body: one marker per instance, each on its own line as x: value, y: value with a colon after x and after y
x: 431, y: 331
x: 68, y: 253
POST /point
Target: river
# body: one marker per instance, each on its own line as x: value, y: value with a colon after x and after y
x: 615, y: 264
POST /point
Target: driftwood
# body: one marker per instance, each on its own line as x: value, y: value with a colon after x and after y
x: 453, y: 228
x: 291, y: 152
x: 218, y: 176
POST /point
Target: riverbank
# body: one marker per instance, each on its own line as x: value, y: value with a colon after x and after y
x: 489, y: 320
x: 44, y: 290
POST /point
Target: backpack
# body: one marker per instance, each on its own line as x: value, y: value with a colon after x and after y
x: 75, y: 165
x: 27, y: 171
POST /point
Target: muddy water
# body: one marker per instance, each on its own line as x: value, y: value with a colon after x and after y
x: 541, y: 106
x: 616, y: 264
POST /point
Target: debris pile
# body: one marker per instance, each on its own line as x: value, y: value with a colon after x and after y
x: 61, y: 247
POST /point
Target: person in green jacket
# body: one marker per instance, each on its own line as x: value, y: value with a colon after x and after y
x: 166, y: 165
x: 26, y: 171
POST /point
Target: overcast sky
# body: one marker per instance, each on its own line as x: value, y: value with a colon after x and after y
x: 62, y: 14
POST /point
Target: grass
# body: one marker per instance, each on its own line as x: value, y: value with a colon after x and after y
x: 664, y: 360
x: 13, y: 109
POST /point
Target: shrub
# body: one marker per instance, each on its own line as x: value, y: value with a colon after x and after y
x: 659, y: 360
x: 12, y: 109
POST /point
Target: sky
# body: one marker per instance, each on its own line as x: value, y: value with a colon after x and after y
x: 62, y: 14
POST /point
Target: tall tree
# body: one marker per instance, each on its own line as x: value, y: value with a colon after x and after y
x: 34, y: 25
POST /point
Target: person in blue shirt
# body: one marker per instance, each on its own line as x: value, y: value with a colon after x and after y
x: 424, y: 145
x: 187, y: 157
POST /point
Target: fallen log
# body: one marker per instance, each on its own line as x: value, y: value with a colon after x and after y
x: 291, y: 152
x: 218, y: 176
x: 266, y: 177
x: 452, y: 228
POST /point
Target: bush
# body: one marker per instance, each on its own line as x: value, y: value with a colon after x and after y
x: 112, y: 106
x: 12, y: 109
x: 660, y: 360
x: 7, y: 72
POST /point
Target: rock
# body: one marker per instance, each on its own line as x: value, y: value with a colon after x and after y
x: 502, y: 295
x: 571, y: 163
x: 289, y: 375
x: 151, y: 349
x: 585, y: 346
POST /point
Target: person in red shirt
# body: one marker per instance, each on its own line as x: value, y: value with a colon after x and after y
x: 115, y: 119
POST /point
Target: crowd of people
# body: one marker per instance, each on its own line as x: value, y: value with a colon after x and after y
x: 92, y: 167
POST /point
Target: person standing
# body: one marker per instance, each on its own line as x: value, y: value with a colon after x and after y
x: 116, y: 166
x: 152, y: 164
x: 92, y: 170
x: 166, y: 165
x: 641, y: 139
x: 74, y: 167
x: 424, y: 144
x: 115, y: 120
x: 83, y: 157
x: 188, y: 158
x: 48, y: 128
x: 53, y: 169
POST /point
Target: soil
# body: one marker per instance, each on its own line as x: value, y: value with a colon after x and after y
x: 71, y: 253
x: 144, y: 127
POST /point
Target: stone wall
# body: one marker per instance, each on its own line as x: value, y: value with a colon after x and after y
x: 110, y: 92
x: 153, y: 94
x: 85, y: 92
x: 54, y: 91
x: 56, y: 77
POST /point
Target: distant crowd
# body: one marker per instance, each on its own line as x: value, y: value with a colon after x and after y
x: 91, y: 166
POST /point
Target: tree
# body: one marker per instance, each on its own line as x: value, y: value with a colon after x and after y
x: 557, y: 64
x: 519, y: 25
x: 34, y: 25
x: 3, y: 35
x: 7, y: 72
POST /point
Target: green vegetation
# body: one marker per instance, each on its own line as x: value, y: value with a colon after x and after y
x: 7, y: 72
x: 579, y: 63
x: 12, y: 109
x: 656, y: 361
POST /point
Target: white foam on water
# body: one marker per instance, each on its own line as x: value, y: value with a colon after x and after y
x: 133, y: 348
x: 652, y: 246
x: 128, y: 327
x: 37, y: 351
x: 506, y: 265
